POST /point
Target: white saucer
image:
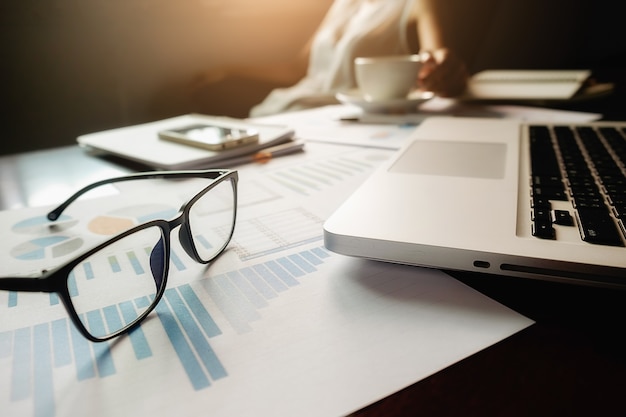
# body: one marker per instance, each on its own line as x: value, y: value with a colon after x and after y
x: 356, y: 98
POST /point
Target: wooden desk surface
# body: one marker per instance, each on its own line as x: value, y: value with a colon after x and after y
x: 571, y: 362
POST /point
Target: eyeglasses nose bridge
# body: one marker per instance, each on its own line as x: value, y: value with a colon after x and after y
x: 158, y: 261
x: 184, y: 234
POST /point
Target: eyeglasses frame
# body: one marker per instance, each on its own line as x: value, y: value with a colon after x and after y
x: 56, y: 280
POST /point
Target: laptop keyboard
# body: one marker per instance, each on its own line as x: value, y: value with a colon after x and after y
x: 562, y: 170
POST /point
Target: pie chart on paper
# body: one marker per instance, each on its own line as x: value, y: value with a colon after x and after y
x: 47, y: 247
x: 41, y: 225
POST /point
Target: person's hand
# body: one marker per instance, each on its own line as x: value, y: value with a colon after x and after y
x: 443, y: 73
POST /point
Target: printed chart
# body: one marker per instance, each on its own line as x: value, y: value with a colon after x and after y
x: 40, y: 225
x: 240, y: 294
x: 46, y: 248
x: 124, y: 218
x: 231, y: 336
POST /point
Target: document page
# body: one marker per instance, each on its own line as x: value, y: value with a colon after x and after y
x: 347, y: 125
x: 276, y: 326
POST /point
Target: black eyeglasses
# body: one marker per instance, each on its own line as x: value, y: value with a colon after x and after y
x: 115, y: 285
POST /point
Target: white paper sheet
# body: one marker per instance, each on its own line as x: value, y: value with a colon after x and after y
x: 348, y: 125
x: 277, y: 326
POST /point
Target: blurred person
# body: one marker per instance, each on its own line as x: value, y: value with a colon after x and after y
x: 353, y: 28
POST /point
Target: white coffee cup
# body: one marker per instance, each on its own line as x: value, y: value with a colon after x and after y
x: 386, y: 77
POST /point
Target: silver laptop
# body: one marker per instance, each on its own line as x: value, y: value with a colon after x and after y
x: 496, y: 196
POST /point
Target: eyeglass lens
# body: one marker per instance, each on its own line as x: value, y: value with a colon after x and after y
x: 111, y: 289
x: 211, y: 220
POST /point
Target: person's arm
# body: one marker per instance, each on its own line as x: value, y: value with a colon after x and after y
x: 429, y: 24
x: 444, y: 72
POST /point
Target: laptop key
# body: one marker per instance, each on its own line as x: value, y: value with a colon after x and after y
x: 597, y: 227
x: 543, y: 229
x: 551, y: 193
x: 544, y: 181
x: 589, y: 203
x: 540, y: 201
x: 620, y: 211
x: 597, y: 190
x: 562, y: 217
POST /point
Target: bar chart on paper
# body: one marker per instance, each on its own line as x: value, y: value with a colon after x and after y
x: 35, y: 352
x: 317, y: 176
x: 276, y: 252
x: 239, y: 295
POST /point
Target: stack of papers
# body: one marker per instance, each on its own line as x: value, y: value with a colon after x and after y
x: 141, y: 143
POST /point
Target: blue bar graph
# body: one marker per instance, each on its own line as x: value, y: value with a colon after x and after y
x: 83, y: 360
x: 61, y: 342
x: 134, y: 261
x: 308, y: 179
x: 88, y: 270
x: 22, y: 364
x: 137, y: 338
x: 54, y: 299
x: 43, y: 389
x: 282, y: 274
x: 320, y: 252
x: 290, y: 267
x: 175, y: 259
x: 258, y: 283
x: 71, y: 284
x: 311, y: 258
x: 239, y: 295
x: 271, y: 279
x: 203, y: 241
x: 302, y: 263
x: 185, y: 354
x: 142, y: 302
x: 206, y: 321
x: 102, y: 352
x: 248, y: 291
x: 237, y: 299
x: 225, y: 305
x: 6, y: 340
x: 12, y: 298
x: 114, y: 263
x: 199, y: 341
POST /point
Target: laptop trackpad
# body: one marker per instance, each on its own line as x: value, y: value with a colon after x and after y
x: 455, y: 159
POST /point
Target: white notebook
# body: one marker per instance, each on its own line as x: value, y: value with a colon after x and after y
x: 141, y: 143
x: 526, y: 84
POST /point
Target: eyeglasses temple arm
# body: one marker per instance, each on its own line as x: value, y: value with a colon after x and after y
x: 54, y: 214
x: 25, y: 284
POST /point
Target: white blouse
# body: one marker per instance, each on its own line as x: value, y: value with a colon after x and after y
x: 351, y: 28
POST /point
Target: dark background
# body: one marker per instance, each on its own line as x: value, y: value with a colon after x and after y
x: 71, y: 67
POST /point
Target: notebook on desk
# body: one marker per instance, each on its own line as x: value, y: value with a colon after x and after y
x: 141, y: 143
x: 526, y: 85
x: 463, y: 194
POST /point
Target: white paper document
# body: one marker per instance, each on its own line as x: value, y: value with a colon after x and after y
x: 277, y: 326
x: 348, y: 125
